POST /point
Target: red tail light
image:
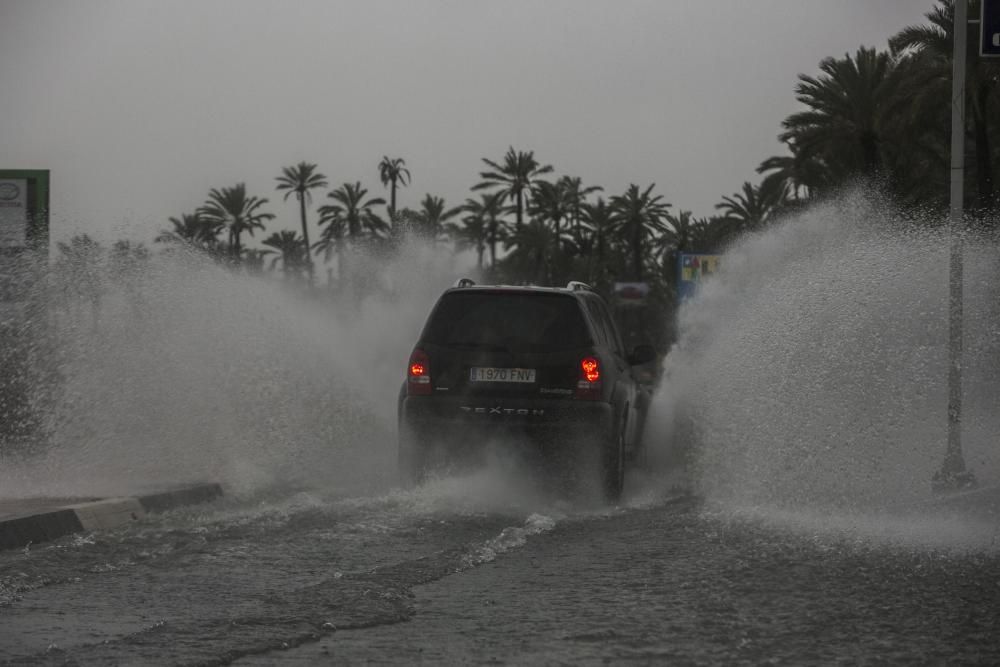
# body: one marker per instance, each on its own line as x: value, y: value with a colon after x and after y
x: 418, y: 374
x: 588, y: 387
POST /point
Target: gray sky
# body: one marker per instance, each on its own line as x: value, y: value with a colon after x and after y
x: 139, y: 107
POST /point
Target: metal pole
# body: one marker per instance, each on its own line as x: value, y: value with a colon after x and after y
x: 953, y: 474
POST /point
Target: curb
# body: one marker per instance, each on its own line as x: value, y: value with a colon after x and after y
x: 103, y: 514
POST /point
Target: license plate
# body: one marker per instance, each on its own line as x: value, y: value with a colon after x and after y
x: 485, y: 374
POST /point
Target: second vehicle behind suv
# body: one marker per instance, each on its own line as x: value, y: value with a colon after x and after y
x: 544, y: 365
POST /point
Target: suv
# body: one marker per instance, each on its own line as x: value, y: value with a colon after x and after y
x: 545, y: 365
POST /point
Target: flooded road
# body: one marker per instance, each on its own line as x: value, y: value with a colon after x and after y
x: 475, y: 570
x: 813, y: 436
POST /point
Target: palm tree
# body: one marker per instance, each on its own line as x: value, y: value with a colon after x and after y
x: 300, y: 179
x: 641, y: 217
x: 853, y: 112
x: 576, y: 196
x: 79, y: 270
x: 354, y: 209
x: 346, y: 220
x: 253, y: 260
x: 550, y: 204
x: 600, y: 218
x: 936, y: 41
x: 405, y: 222
x: 800, y: 175
x: 681, y: 238
x: 232, y: 209
x: 471, y: 233
x: 712, y: 234
x: 289, y: 249
x: 513, y: 179
x: 125, y: 260
x: 433, y: 215
x: 528, y: 248
x: 488, y: 208
x: 128, y: 267
x: 392, y: 172
x: 333, y: 239
x: 193, y: 230
x: 754, y: 206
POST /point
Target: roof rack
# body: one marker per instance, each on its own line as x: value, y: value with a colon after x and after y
x: 576, y: 285
x: 464, y: 282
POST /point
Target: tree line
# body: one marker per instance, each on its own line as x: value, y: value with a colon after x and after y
x: 878, y: 117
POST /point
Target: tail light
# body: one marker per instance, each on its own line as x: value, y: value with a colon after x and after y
x: 588, y: 387
x: 418, y: 374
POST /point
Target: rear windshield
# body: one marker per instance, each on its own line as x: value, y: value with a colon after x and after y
x: 508, y: 321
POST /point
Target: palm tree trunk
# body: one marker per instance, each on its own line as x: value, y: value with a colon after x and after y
x: 519, y: 212
x: 869, y: 152
x: 341, y: 271
x: 234, y: 245
x: 599, y: 248
x: 637, y: 251
x: 493, y: 242
x: 305, y: 236
x: 392, y: 201
x: 555, y: 262
x: 576, y: 223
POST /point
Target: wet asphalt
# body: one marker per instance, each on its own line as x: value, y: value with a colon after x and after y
x: 440, y: 576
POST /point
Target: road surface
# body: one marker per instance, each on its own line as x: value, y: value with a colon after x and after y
x: 480, y: 569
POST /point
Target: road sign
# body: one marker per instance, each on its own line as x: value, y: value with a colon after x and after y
x: 24, y: 255
x: 24, y: 211
x: 692, y: 270
x: 631, y: 294
x: 989, y: 36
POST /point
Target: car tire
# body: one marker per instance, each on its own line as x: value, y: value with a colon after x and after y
x: 412, y: 458
x: 613, y: 468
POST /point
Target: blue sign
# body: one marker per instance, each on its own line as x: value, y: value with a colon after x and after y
x: 692, y: 270
x: 989, y: 38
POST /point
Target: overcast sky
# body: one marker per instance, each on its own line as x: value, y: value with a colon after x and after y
x: 139, y: 107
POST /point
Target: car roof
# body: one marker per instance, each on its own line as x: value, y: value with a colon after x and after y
x: 514, y: 289
x: 511, y: 288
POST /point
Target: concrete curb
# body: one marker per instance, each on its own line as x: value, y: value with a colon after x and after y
x: 104, y: 514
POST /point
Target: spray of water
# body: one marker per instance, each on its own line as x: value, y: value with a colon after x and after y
x: 811, y: 374
x: 183, y: 370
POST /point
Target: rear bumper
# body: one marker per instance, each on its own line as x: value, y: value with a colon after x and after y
x: 478, y: 419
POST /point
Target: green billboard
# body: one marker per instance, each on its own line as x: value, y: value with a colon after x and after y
x: 24, y: 253
x: 24, y: 210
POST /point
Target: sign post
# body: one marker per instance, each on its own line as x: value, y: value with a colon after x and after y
x: 953, y: 474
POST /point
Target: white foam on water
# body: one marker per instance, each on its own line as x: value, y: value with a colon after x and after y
x: 512, y: 537
x: 952, y: 532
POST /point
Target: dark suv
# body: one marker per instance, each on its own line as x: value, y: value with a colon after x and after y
x: 544, y: 365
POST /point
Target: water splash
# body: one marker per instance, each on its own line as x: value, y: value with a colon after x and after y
x: 810, y: 374
x: 184, y: 370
